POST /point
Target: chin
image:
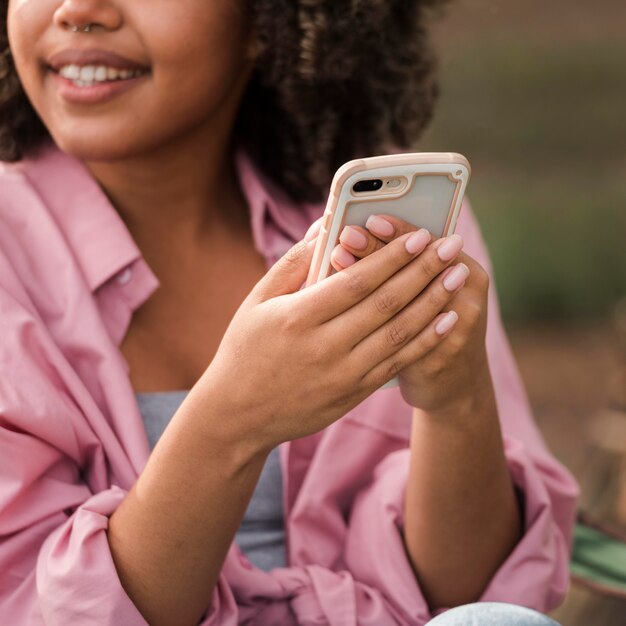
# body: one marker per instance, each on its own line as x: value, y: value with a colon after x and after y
x: 103, y: 147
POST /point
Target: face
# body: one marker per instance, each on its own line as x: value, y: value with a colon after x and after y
x: 143, y: 74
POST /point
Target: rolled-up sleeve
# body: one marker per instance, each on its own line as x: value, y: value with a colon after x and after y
x: 56, y: 566
x: 536, y: 573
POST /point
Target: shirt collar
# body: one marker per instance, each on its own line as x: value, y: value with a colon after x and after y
x: 99, y: 238
x: 268, y: 201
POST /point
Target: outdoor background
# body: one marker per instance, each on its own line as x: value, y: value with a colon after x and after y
x: 534, y: 94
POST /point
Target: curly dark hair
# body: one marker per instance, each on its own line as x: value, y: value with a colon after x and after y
x: 334, y: 80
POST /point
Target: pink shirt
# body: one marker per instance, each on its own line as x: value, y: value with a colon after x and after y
x: 72, y: 441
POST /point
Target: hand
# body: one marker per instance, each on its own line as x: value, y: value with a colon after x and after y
x: 293, y: 361
x: 455, y: 372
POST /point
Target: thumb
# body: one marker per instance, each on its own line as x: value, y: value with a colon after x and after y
x: 288, y: 273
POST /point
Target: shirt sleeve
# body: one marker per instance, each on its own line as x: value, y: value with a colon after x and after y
x: 56, y: 567
x: 56, y: 498
x: 536, y: 573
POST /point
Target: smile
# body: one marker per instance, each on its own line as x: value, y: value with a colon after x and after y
x: 89, y: 75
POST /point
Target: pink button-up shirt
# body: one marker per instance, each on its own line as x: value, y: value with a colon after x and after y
x: 72, y: 441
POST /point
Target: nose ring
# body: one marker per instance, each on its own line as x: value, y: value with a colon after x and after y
x: 82, y: 29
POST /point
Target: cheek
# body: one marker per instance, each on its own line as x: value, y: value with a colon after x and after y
x: 197, y: 64
x: 27, y: 21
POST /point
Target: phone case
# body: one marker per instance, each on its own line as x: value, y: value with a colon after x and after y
x: 430, y: 196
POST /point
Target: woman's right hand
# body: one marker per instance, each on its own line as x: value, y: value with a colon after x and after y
x: 293, y: 361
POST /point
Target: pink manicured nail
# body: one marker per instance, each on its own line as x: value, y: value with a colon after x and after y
x: 417, y: 241
x: 353, y: 238
x: 450, y: 247
x: 456, y: 277
x: 446, y: 322
x: 380, y: 226
x: 343, y: 257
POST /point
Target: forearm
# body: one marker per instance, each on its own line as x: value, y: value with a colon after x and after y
x: 461, y: 514
x: 170, y: 536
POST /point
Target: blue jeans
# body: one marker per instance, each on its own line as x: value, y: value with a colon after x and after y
x: 491, y: 614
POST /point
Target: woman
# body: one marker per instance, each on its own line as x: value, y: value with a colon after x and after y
x: 163, y: 156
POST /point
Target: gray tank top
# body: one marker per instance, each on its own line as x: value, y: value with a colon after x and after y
x: 261, y: 535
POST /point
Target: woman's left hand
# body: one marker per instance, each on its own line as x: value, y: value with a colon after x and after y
x: 454, y: 375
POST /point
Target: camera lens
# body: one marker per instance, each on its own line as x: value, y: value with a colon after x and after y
x: 367, y: 185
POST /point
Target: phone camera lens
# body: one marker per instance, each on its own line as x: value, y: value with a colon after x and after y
x: 367, y: 185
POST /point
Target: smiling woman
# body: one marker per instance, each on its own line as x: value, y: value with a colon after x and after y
x: 99, y: 120
x: 161, y: 364
x: 323, y: 72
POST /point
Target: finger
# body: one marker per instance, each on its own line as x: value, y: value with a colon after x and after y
x: 479, y: 276
x: 388, y: 227
x: 287, y: 274
x: 314, y: 230
x: 338, y: 293
x: 426, y: 341
x: 398, y: 291
x: 400, y: 330
x: 359, y: 242
x: 340, y: 258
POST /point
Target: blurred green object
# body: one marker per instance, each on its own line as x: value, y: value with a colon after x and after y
x: 541, y: 118
x: 599, y: 559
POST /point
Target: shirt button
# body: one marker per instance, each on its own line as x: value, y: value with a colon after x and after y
x: 124, y: 276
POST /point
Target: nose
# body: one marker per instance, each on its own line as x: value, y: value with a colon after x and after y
x: 102, y: 14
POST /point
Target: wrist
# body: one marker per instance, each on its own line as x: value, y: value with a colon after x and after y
x: 473, y: 405
x: 221, y: 428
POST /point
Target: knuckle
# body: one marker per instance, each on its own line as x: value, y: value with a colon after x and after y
x: 372, y: 246
x: 394, y: 368
x: 396, y: 333
x: 432, y: 367
x: 430, y: 264
x: 473, y: 312
x: 292, y: 323
x: 294, y: 254
x: 455, y: 344
x: 386, y: 302
x: 481, y: 276
x: 356, y: 284
x: 436, y: 297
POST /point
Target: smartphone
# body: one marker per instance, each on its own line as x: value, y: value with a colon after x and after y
x: 423, y: 188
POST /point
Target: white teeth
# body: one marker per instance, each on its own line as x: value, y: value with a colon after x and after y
x: 91, y: 74
x: 70, y: 71
x: 87, y: 73
x: 101, y: 73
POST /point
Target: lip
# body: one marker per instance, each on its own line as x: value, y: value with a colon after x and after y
x: 76, y: 56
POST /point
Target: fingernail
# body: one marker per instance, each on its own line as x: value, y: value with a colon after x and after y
x: 456, y: 277
x: 343, y: 257
x: 380, y: 226
x: 446, y: 322
x: 450, y: 247
x: 417, y: 241
x: 313, y: 232
x: 353, y: 238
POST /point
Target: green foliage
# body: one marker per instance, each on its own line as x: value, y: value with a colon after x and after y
x: 544, y: 126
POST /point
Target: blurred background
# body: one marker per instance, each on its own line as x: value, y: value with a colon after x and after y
x: 534, y: 94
